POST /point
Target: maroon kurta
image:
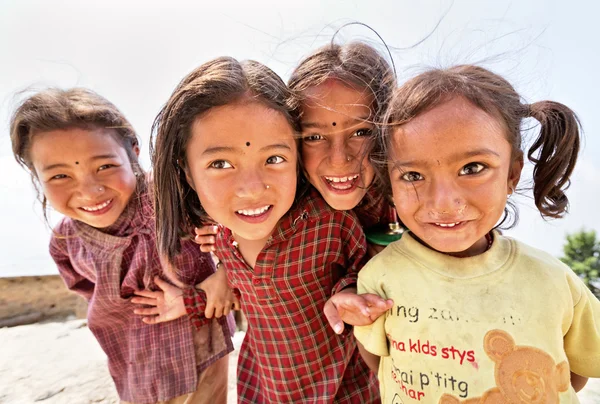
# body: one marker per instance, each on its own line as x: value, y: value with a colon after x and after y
x: 148, y: 363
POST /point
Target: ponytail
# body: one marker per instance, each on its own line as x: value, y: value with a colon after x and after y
x: 553, y: 154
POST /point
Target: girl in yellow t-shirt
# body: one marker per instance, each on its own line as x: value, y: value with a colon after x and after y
x: 477, y: 317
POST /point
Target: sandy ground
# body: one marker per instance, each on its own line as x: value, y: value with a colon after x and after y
x: 61, y: 363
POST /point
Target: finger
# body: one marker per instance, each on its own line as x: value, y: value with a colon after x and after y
x: 144, y: 300
x: 147, y: 293
x: 152, y: 320
x: 162, y: 285
x: 206, y: 248
x: 205, y: 239
x: 206, y: 230
x: 218, y: 312
x: 378, y: 302
x: 333, y: 317
x: 147, y: 311
x: 209, y: 311
x: 227, y: 309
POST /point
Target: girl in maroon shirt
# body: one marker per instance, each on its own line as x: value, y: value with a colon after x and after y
x: 82, y: 155
x: 226, y: 150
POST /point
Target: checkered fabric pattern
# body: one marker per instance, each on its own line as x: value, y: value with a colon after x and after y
x: 148, y: 363
x: 290, y: 353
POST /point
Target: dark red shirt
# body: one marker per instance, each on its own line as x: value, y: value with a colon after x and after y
x: 148, y: 363
x: 290, y: 353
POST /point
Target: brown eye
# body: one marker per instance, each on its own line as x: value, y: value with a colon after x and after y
x: 220, y: 164
x: 275, y: 160
x: 472, y: 168
x: 363, y: 132
x: 312, y: 138
x: 411, y: 176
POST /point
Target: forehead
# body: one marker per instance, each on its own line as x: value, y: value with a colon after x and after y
x: 241, y: 123
x: 450, y: 126
x: 75, y: 142
x: 335, y: 96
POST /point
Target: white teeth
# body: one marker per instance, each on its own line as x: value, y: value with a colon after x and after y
x: 97, y: 207
x: 253, y: 212
x: 447, y: 224
x: 341, y: 179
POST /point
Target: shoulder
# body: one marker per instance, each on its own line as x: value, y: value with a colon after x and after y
x: 61, y: 234
x: 538, y: 259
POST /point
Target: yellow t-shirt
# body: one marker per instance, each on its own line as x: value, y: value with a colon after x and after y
x: 504, y: 326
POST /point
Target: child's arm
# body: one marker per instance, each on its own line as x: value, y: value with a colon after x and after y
x: 345, y: 305
x: 72, y: 279
x: 370, y: 359
x: 578, y: 382
x: 348, y: 307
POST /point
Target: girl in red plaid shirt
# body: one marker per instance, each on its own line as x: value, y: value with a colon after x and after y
x: 226, y: 150
x: 83, y: 155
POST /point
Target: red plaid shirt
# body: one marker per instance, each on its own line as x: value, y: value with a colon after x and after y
x: 148, y: 363
x: 290, y: 353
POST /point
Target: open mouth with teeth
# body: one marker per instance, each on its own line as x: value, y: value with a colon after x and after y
x: 448, y: 225
x: 99, y: 208
x: 254, y: 215
x: 341, y: 184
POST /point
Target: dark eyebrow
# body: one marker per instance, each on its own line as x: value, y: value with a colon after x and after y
x: 226, y: 149
x: 344, y: 123
x: 53, y: 166
x: 276, y: 146
x: 93, y: 158
x: 453, y: 158
x: 104, y: 156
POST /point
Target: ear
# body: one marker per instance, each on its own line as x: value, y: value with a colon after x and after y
x: 514, y: 174
x: 497, y: 344
x: 136, y: 150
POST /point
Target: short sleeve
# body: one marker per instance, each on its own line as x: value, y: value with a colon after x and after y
x: 582, y: 340
x: 372, y: 337
x: 73, y: 280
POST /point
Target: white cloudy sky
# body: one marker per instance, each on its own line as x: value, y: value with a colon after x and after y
x: 135, y: 52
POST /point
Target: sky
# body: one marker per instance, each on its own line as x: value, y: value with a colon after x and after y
x: 134, y: 53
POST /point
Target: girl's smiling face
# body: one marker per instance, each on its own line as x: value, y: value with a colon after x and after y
x: 336, y: 138
x: 85, y: 174
x: 242, y: 162
x: 451, y: 169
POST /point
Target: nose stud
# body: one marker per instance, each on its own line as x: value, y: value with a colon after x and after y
x: 100, y: 188
x: 267, y: 186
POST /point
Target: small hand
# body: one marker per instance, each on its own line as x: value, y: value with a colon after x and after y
x: 348, y: 307
x: 205, y: 237
x: 220, y: 299
x: 166, y: 304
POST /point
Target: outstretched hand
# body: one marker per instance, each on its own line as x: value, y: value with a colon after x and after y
x: 348, y: 307
x: 165, y: 304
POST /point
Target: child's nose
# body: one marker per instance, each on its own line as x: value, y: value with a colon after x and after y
x: 339, y: 155
x: 90, y: 188
x: 445, y: 198
x: 251, y: 185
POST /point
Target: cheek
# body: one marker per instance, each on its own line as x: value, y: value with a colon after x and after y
x: 311, y: 157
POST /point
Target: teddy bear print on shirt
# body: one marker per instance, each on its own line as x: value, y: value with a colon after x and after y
x: 523, y: 374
